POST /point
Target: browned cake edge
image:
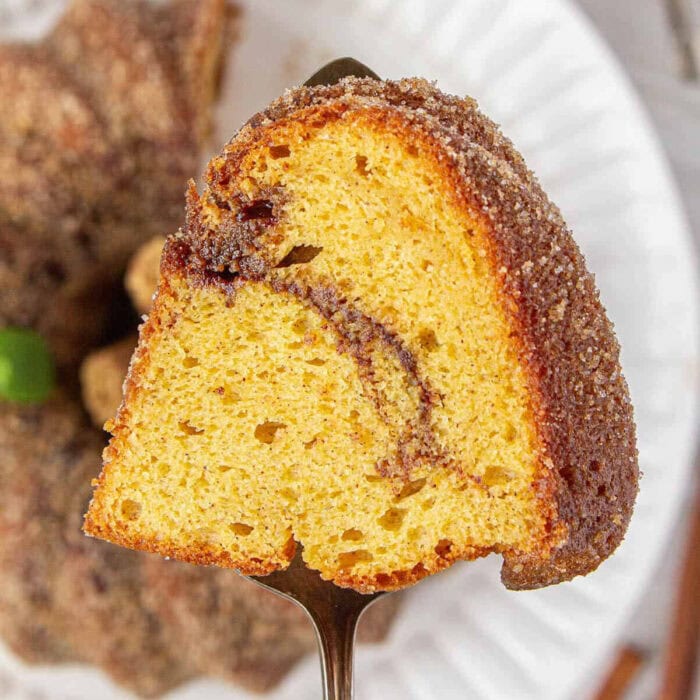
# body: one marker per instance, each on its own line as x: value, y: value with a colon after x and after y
x: 588, y: 467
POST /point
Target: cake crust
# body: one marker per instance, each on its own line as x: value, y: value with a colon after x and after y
x: 587, y: 474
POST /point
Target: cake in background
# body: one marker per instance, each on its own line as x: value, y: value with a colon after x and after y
x: 101, y: 124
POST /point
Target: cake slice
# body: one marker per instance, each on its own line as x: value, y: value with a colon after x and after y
x: 374, y: 337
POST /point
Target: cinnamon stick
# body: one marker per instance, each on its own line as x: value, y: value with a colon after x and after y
x: 682, y: 645
x: 624, y: 670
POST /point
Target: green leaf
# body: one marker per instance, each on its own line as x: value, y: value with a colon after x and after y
x: 27, y: 373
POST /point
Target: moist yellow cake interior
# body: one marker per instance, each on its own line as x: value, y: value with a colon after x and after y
x: 251, y: 427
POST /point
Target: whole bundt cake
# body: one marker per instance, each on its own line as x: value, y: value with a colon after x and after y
x: 374, y: 336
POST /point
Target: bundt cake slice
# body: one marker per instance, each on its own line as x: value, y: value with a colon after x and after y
x: 374, y: 337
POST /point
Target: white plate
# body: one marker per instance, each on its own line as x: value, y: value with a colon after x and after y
x: 539, y: 68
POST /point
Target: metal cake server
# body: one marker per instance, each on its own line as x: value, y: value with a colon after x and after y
x: 334, y: 611
x: 340, y: 68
